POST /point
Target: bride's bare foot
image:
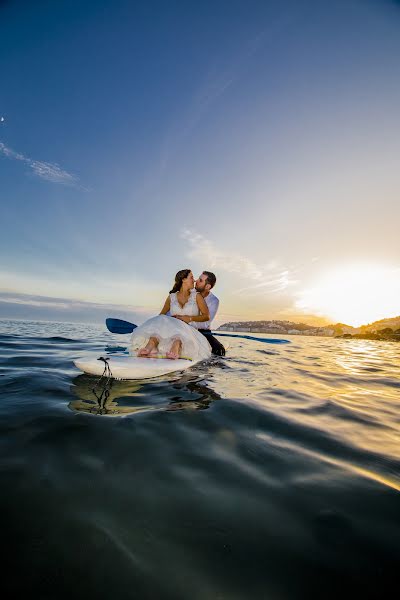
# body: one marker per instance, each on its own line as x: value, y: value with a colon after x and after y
x: 150, y: 347
x: 143, y: 352
x: 174, y: 352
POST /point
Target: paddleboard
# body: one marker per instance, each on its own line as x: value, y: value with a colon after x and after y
x: 132, y: 367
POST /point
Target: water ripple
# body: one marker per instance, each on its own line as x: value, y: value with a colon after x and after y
x: 263, y: 474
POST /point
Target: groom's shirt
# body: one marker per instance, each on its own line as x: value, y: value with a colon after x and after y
x: 213, y: 304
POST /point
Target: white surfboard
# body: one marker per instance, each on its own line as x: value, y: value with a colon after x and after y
x: 132, y: 367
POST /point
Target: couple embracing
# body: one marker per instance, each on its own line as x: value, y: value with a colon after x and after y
x: 183, y: 327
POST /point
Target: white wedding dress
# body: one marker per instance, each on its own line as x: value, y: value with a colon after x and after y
x: 167, y: 329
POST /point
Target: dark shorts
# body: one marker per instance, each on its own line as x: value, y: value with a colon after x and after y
x: 216, y: 346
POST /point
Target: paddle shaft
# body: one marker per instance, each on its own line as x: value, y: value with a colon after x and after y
x: 123, y: 327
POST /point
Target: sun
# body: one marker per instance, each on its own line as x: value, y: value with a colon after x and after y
x: 354, y: 294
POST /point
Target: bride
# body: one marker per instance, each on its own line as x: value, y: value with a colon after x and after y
x: 172, y: 336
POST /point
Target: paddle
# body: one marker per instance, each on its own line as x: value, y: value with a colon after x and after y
x: 120, y: 326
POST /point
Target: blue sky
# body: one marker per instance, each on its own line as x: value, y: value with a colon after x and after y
x: 259, y: 140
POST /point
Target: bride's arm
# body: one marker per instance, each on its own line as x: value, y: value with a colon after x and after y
x: 204, y: 312
x: 166, y: 307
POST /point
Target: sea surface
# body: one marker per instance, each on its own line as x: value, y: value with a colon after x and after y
x: 272, y: 473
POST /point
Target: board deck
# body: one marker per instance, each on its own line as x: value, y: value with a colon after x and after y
x: 132, y: 367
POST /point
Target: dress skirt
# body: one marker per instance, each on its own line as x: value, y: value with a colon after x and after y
x: 168, y: 329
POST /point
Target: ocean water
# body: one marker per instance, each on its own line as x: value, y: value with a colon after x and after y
x: 272, y: 473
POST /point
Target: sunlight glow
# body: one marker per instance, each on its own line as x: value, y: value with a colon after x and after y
x: 355, y: 294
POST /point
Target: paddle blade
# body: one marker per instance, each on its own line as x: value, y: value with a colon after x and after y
x: 119, y: 326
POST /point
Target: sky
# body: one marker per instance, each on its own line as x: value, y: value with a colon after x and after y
x: 255, y: 139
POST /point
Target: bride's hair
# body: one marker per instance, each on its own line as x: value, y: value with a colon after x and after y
x: 179, y: 277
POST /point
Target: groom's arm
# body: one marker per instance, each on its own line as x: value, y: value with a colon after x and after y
x: 213, y: 308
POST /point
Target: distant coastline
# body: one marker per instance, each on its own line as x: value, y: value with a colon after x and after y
x: 385, y: 329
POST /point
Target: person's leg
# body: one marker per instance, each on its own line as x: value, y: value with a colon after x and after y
x: 175, y: 351
x: 150, y: 347
x: 216, y: 347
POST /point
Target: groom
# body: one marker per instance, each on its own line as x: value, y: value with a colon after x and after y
x: 204, y: 285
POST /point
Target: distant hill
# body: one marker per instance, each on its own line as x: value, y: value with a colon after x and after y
x: 276, y: 326
x: 384, y: 327
x: 393, y: 323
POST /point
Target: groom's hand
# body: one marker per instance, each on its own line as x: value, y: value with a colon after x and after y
x: 183, y: 318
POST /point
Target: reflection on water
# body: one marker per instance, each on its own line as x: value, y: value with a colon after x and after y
x: 201, y: 395
x: 109, y: 397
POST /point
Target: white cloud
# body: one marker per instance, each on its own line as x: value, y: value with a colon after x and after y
x: 28, y: 300
x: 48, y: 171
x: 269, y: 277
x: 221, y: 76
x: 30, y: 306
x: 63, y: 303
